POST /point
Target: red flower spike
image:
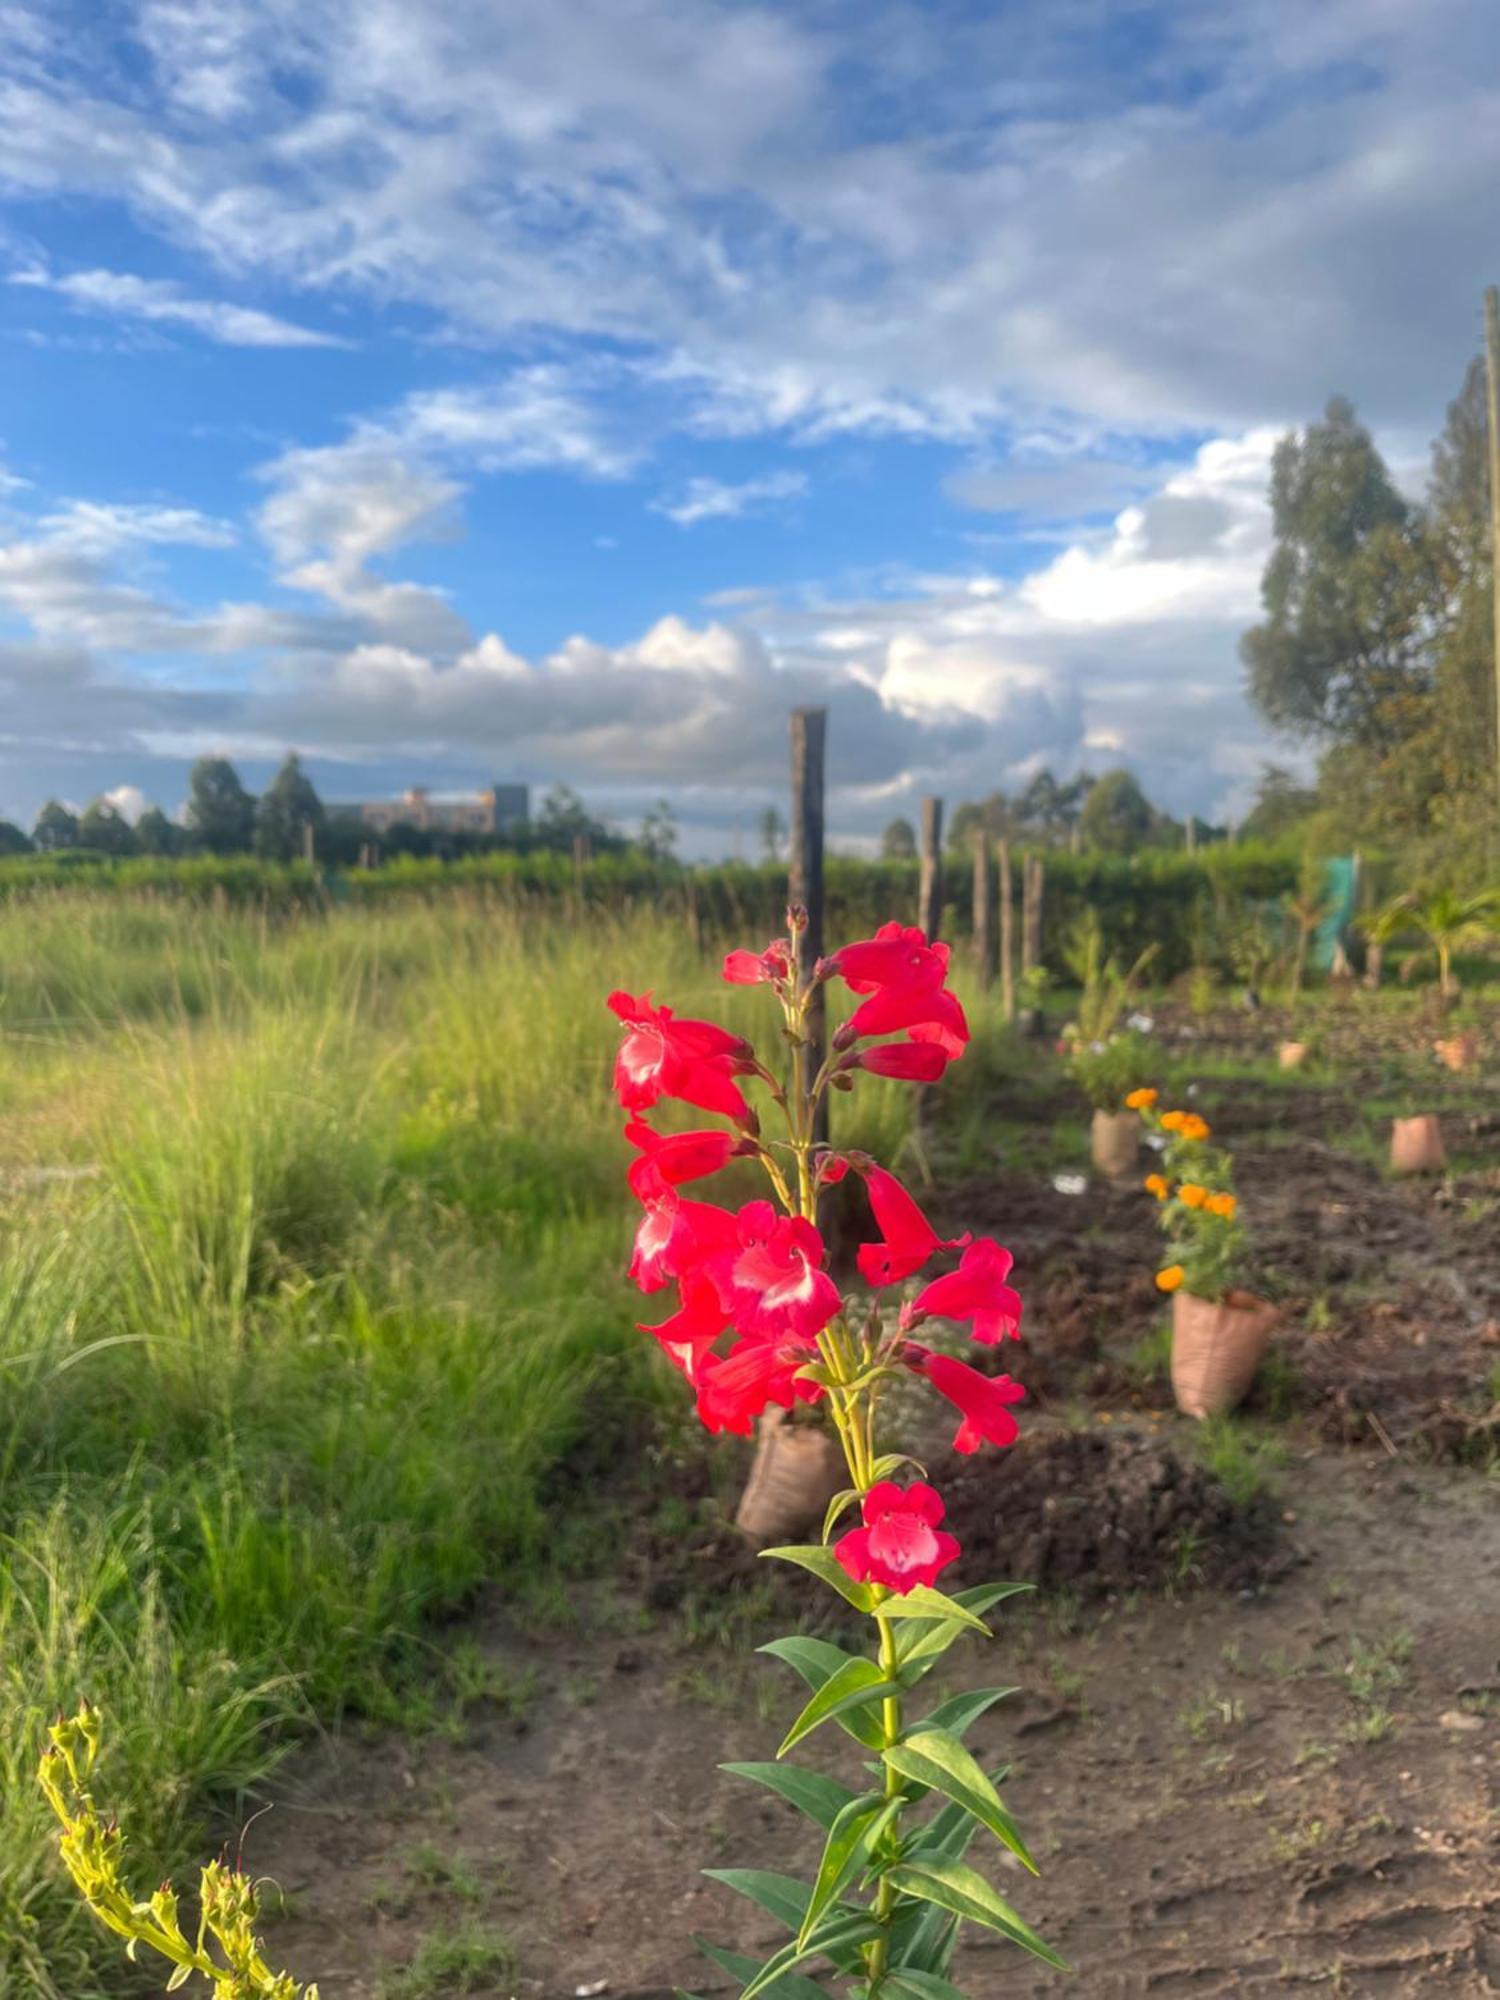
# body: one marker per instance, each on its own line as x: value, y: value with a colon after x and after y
x: 930, y: 1012
x: 976, y: 1292
x: 984, y: 1400
x: 771, y: 1282
x: 759, y: 968
x: 909, y: 1062
x: 692, y: 1330
x: 897, y: 955
x: 661, y: 1056
x: 909, y: 1238
x: 674, y: 1157
x: 900, y: 1544
x: 676, y: 1238
x: 734, y: 1388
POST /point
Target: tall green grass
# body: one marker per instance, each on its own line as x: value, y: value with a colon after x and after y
x: 302, y: 1352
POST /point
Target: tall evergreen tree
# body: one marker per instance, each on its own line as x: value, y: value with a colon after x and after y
x: 105, y: 829
x: 220, y: 812
x: 288, y: 805
x: 55, y: 828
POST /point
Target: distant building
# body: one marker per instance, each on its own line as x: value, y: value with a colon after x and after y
x: 495, y: 810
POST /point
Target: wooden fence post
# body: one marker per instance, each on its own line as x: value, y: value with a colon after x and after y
x: 1007, y: 936
x: 930, y: 902
x: 805, y: 869
x: 984, y: 899
x: 1031, y: 913
x: 309, y: 843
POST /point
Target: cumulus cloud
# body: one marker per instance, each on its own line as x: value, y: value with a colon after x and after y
x: 706, y: 499
x: 120, y: 295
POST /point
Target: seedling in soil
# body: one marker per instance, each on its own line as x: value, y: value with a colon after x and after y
x: 470, y: 1958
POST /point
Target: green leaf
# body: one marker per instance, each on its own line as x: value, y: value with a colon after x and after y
x: 891, y: 1464
x: 960, y: 1712
x: 812, y: 1556
x: 959, y: 1889
x: 816, y: 1660
x: 905, y: 1982
x: 923, y: 1602
x: 936, y: 1758
x: 790, y: 1986
x: 836, y: 1507
x: 835, y: 1941
x: 923, y: 1645
x: 853, y: 1686
x: 780, y: 1896
x: 822, y: 1799
x: 850, y: 1841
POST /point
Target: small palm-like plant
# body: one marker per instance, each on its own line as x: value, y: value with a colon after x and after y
x: 1449, y: 921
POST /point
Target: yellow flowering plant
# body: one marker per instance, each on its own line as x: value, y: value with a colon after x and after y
x: 1199, y: 1210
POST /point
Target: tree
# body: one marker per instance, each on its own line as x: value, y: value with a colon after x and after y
x: 658, y: 836
x: 220, y: 812
x: 1117, y: 817
x: 156, y: 834
x: 1280, y: 804
x: 772, y: 829
x: 55, y: 828
x: 1339, y: 653
x: 12, y: 839
x: 105, y: 829
x: 289, y: 804
x: 1464, y: 635
x: 899, y: 841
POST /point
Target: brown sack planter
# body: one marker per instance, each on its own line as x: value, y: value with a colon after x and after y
x: 1216, y: 1348
x: 1459, y: 1052
x: 1115, y: 1143
x: 1417, y: 1145
x: 1292, y: 1055
x: 796, y: 1472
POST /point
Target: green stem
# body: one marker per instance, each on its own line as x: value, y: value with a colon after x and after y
x: 885, y: 1896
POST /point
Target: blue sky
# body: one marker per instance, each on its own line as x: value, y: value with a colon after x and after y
x: 564, y: 389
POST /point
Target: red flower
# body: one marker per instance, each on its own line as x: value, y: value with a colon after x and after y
x: 976, y: 1291
x: 897, y: 955
x: 676, y: 1237
x: 983, y: 1399
x: 672, y: 1158
x: 757, y: 968
x: 692, y: 1330
x: 930, y: 1012
x: 905, y: 978
x: 900, y: 1544
x: 771, y: 1282
x: 911, y: 1062
x: 664, y: 1057
x: 910, y: 1238
x: 734, y: 1388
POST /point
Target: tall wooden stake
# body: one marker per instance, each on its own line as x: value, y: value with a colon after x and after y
x: 930, y: 905
x: 805, y: 872
x: 984, y: 903
x: 1031, y: 913
x: 1492, y: 375
x: 1007, y: 936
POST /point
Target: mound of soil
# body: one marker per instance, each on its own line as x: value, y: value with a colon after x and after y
x: 1098, y: 1512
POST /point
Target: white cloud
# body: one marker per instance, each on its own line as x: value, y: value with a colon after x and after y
x: 99, y: 527
x: 129, y: 801
x: 714, y: 500
x: 120, y: 295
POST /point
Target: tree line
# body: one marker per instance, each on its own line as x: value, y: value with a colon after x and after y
x: 1108, y: 814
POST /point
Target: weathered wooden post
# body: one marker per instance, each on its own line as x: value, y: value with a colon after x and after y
x: 1007, y: 936
x: 930, y: 900
x: 309, y: 843
x: 805, y: 870
x: 1031, y: 913
x: 984, y: 902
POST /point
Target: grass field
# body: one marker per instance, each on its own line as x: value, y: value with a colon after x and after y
x: 311, y: 1254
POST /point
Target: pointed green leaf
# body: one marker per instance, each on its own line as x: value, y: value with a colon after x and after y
x: 892, y: 1463
x: 790, y: 1986
x: 936, y: 1758
x: 921, y: 1645
x: 925, y: 1603
x: 905, y: 1982
x: 780, y: 1896
x: 816, y: 1660
x: 822, y: 1799
x: 851, y: 1842
x: 823, y: 1564
x: 836, y: 1507
x: 853, y: 1686
x: 960, y: 1712
x: 959, y: 1889
x: 835, y: 1940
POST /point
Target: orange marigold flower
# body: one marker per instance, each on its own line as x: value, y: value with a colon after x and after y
x: 1172, y: 1121
x: 1222, y: 1204
x: 1158, y: 1185
x: 1141, y: 1100
x: 1169, y: 1279
x: 1191, y: 1195
x: 1192, y: 1126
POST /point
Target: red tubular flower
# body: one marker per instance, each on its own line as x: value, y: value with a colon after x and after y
x: 910, y: 1238
x: 674, y: 1157
x: 900, y: 1544
x: 759, y: 968
x: 771, y: 1281
x: 692, y: 1330
x: 734, y: 1388
x: 910, y: 1062
x: 677, y: 1237
x: 984, y: 1400
x: 930, y: 1012
x: 661, y: 1056
x: 897, y: 955
x: 976, y: 1292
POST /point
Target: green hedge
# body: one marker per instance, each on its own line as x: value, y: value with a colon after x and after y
x: 1170, y: 900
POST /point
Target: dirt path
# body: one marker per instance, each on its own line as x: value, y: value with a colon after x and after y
x: 1235, y: 1793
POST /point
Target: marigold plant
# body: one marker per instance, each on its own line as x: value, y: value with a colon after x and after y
x: 759, y: 1321
x: 1198, y: 1208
